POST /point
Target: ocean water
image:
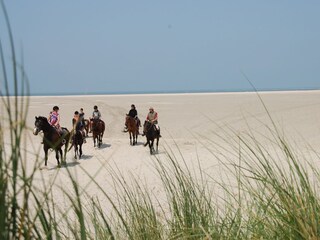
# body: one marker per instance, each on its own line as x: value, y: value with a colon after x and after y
x: 165, y: 92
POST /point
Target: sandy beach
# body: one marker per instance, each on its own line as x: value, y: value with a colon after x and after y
x: 192, y: 126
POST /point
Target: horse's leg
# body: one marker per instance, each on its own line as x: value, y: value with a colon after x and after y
x: 80, y: 150
x: 133, y: 138
x: 61, y: 154
x: 150, y: 145
x: 75, y: 150
x: 137, y: 135
x: 157, y: 143
x: 45, y: 156
x: 57, y: 156
x: 130, y: 137
x: 64, y: 159
x: 101, y: 135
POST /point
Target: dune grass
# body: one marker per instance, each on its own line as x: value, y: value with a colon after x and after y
x: 275, y: 195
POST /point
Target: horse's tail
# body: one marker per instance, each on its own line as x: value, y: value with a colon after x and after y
x: 67, y: 137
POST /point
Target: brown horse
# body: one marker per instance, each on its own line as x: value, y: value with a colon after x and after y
x: 133, y: 129
x: 52, y: 138
x: 97, y: 128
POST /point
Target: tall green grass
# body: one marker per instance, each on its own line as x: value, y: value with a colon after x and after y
x: 274, y: 194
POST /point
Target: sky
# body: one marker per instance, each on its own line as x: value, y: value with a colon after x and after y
x: 127, y: 46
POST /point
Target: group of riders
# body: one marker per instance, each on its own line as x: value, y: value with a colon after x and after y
x: 78, y: 121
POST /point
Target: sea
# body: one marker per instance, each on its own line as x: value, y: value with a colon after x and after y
x: 168, y: 91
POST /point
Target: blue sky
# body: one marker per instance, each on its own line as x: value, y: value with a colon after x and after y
x: 171, y: 45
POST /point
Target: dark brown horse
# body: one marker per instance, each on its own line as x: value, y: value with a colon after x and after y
x: 52, y: 139
x: 151, y: 134
x: 133, y: 129
x: 77, y: 141
x: 97, y: 129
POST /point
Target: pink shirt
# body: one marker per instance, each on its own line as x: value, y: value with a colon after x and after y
x: 54, y: 118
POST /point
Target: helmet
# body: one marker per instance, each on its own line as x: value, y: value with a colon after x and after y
x: 132, y: 105
x: 76, y: 113
x: 55, y: 108
x: 95, y: 107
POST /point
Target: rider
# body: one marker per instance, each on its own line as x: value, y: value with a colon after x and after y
x: 54, y: 119
x: 78, y: 125
x: 81, y: 116
x: 153, y: 118
x: 96, y: 115
x: 134, y: 114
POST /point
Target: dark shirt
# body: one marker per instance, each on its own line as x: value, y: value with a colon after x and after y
x: 81, y: 117
x: 133, y: 113
x: 78, y: 125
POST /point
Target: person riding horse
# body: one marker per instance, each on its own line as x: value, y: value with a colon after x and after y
x: 54, y: 119
x: 77, y: 124
x: 96, y: 116
x: 152, y: 117
x: 134, y: 114
x: 81, y: 116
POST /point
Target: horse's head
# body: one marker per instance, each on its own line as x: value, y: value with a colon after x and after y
x: 40, y: 124
x: 147, y: 126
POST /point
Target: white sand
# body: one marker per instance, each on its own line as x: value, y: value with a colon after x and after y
x: 190, y: 123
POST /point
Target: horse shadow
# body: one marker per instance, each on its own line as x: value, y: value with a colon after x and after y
x: 70, y: 164
x: 85, y: 157
x: 104, y: 145
x: 140, y: 144
x: 63, y: 165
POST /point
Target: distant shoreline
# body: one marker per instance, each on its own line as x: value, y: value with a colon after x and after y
x: 167, y: 92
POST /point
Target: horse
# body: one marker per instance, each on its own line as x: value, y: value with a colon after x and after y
x: 77, y: 140
x: 151, y: 134
x: 97, y: 129
x: 133, y: 129
x: 52, y: 138
x: 86, y: 126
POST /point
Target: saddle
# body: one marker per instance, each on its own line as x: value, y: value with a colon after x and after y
x: 94, y: 123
